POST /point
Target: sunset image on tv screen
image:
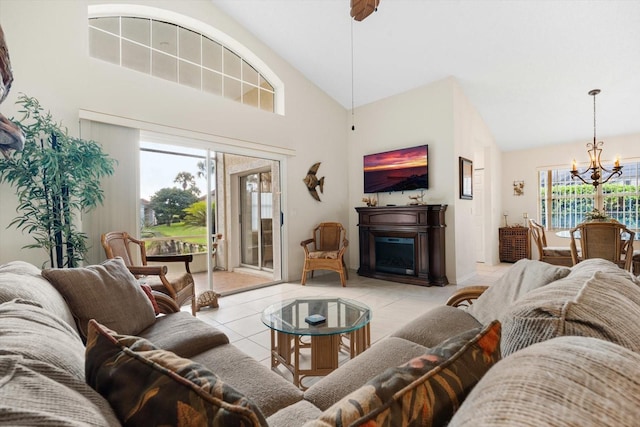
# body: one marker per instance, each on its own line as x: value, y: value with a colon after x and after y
x: 397, y: 170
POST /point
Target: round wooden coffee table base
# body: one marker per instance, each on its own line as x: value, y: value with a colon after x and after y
x: 324, y: 351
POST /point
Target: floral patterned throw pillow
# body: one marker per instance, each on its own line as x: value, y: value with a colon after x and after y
x: 426, y: 391
x: 149, y: 386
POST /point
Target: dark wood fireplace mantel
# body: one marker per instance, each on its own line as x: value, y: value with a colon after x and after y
x: 423, y: 223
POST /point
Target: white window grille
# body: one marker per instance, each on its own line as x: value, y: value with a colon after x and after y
x: 563, y: 202
x: 179, y: 54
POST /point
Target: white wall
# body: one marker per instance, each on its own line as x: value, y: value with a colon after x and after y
x: 493, y: 202
x: 48, y: 46
x: 439, y: 115
x: 472, y: 140
x: 523, y: 166
x: 421, y: 116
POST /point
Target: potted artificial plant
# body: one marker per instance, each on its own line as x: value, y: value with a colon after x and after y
x: 56, y: 178
x: 596, y: 216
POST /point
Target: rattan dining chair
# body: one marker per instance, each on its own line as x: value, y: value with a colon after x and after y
x: 607, y: 240
x: 325, y: 251
x: 179, y: 286
x: 557, y: 255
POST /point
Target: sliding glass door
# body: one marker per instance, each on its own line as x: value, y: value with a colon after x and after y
x: 222, y: 208
x: 178, y: 202
x: 256, y: 220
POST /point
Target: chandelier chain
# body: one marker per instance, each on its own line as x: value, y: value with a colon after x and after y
x: 594, y: 117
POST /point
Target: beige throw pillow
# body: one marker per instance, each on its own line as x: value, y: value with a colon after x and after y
x: 107, y: 292
x: 566, y: 381
x: 42, y: 376
x: 605, y: 306
x: 588, y: 267
x: 524, y: 276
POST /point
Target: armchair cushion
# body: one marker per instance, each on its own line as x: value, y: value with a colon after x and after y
x: 323, y: 254
x: 142, y: 383
x: 107, y: 292
x: 179, y: 282
x: 556, y: 251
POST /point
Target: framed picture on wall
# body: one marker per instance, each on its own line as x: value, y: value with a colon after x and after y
x: 466, y: 178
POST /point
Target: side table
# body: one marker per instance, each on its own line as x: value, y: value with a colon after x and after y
x: 514, y: 243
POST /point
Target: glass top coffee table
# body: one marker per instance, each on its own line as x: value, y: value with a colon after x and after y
x: 345, y: 327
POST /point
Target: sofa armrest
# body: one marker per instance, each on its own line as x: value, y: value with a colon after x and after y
x: 165, y: 303
x: 466, y: 296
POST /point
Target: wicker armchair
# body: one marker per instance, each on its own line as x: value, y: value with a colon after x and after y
x: 608, y: 240
x: 557, y: 255
x: 180, y: 287
x: 325, y: 251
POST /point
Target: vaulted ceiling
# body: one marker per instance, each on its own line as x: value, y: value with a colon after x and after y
x: 526, y: 65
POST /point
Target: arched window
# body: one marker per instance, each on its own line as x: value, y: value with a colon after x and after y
x: 183, y: 50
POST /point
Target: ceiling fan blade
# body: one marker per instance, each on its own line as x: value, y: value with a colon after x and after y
x: 360, y: 9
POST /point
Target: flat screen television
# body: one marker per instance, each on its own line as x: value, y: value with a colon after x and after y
x: 397, y: 170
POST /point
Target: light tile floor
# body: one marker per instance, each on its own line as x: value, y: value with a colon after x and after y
x: 392, y: 304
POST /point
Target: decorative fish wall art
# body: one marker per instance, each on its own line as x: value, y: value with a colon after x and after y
x: 312, y: 182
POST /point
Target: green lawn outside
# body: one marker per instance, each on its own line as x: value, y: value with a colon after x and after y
x: 187, y: 233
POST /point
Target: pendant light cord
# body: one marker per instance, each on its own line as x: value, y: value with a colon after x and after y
x: 353, y: 124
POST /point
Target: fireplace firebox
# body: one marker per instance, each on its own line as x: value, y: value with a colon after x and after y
x: 395, y: 255
x: 403, y: 244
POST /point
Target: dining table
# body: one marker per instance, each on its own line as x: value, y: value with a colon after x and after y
x: 566, y: 234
